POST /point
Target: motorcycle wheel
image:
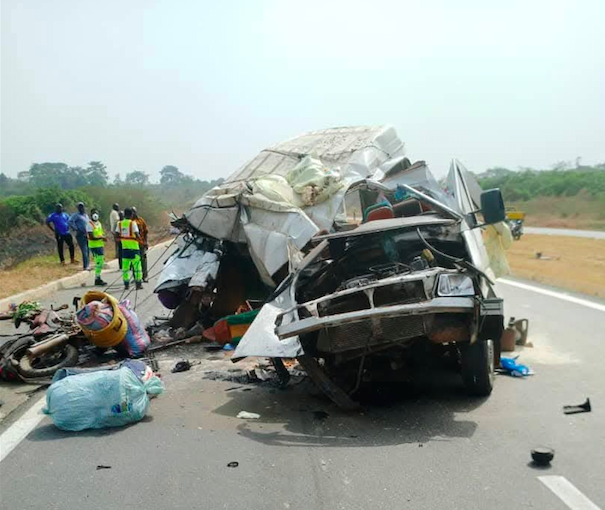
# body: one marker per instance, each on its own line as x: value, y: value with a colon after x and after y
x: 47, y: 364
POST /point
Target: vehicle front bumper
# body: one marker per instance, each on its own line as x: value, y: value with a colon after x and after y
x: 438, y: 305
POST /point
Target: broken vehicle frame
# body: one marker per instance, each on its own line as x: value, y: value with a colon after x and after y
x: 256, y: 218
x: 387, y: 315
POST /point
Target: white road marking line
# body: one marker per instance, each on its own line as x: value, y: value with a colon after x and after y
x: 19, y: 430
x: 568, y: 493
x: 552, y: 293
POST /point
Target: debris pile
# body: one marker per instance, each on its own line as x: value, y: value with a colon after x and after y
x: 59, y: 338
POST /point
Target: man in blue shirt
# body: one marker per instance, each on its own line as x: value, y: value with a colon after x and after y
x: 78, y: 222
x: 60, y: 228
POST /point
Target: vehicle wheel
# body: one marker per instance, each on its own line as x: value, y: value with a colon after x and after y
x: 477, y: 363
x: 47, y: 364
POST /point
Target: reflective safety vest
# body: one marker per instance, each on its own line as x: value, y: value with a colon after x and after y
x: 97, y: 231
x: 127, y: 238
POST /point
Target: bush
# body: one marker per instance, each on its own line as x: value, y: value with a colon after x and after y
x: 523, y: 186
x: 28, y: 210
x: 148, y: 206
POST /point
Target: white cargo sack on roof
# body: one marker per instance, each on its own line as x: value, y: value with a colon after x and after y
x: 275, y: 188
x: 313, y: 182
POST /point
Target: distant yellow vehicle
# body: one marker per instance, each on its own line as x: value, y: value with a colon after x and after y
x: 513, y: 214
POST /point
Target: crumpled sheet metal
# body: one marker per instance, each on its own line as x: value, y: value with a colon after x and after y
x: 217, y: 222
x: 261, y: 340
x: 356, y: 151
x: 359, y: 147
x: 207, y: 269
x: 417, y: 176
x: 181, y: 265
x: 268, y: 249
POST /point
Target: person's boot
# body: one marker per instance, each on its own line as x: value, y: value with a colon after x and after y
x: 99, y: 282
x: 139, y: 285
x: 126, y: 285
x: 74, y: 261
x: 62, y: 262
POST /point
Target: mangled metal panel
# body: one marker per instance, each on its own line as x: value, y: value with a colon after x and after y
x: 364, y: 148
x: 261, y: 337
x: 277, y: 221
x: 417, y: 176
x: 182, y: 264
x: 466, y: 194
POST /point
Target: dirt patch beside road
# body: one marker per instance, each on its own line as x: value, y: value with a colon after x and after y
x: 572, y: 263
x: 24, y: 244
x: 42, y: 269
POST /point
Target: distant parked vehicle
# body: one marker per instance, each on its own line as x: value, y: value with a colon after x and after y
x: 515, y: 220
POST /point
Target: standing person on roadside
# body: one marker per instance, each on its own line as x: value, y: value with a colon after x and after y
x: 128, y: 233
x: 144, y: 244
x: 96, y: 243
x: 114, y: 217
x: 78, y: 222
x: 60, y: 222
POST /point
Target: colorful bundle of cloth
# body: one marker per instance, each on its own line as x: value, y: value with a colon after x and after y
x: 97, y: 315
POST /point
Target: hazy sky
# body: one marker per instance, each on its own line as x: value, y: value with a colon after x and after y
x: 205, y: 85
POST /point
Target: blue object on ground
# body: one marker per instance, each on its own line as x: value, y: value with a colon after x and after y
x: 95, y: 400
x: 228, y: 347
x: 513, y: 368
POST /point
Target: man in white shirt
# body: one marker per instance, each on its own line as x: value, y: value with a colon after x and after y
x: 114, y: 217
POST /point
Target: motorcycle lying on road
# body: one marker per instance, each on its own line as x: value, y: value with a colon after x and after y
x: 52, y: 343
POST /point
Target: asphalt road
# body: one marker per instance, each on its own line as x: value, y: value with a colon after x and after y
x: 593, y: 234
x: 426, y: 447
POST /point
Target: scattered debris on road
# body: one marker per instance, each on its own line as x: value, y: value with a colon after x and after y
x: 233, y: 464
x: 582, y: 408
x: 245, y: 415
x: 542, y: 456
x: 182, y: 366
x: 100, y: 466
x: 24, y: 311
x: 59, y: 340
x: 515, y: 334
x: 511, y: 367
x: 109, y: 323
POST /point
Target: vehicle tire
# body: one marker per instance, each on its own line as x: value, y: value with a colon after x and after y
x: 47, y: 365
x: 477, y: 364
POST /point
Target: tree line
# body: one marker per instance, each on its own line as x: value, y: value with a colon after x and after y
x: 63, y: 176
x: 28, y: 199
x: 562, y: 180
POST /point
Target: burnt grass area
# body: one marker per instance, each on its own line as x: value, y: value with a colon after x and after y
x: 24, y: 244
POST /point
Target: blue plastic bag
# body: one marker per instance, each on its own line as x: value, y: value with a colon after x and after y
x: 513, y: 368
x: 96, y: 400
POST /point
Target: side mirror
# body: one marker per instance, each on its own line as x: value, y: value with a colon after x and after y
x: 492, y: 206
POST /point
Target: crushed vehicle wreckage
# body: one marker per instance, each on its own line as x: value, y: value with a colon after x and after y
x: 359, y: 259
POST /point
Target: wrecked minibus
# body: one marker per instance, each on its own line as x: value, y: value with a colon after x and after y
x: 359, y: 258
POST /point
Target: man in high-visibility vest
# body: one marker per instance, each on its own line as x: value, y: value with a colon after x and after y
x: 96, y: 244
x: 128, y: 233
